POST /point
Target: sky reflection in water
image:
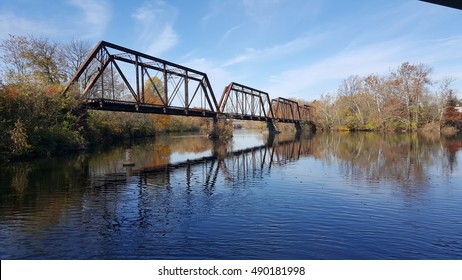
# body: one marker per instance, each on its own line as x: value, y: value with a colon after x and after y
x: 323, y: 196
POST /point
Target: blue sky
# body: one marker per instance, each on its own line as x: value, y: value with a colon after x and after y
x: 288, y: 48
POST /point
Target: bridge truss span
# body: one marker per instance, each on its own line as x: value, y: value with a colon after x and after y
x: 242, y: 102
x: 286, y: 110
x: 119, y: 79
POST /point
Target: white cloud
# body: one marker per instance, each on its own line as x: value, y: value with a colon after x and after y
x: 249, y: 54
x: 219, y: 77
x: 305, y: 81
x: 156, y: 31
x: 262, y: 11
x: 310, y: 81
x: 216, y: 8
x: 96, y: 15
x: 273, y: 14
x: 276, y: 51
x: 12, y: 24
x: 228, y: 33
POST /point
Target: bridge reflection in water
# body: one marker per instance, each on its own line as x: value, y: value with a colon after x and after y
x: 332, y: 196
x: 231, y: 166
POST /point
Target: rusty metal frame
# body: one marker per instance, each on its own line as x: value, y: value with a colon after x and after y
x: 286, y: 110
x: 305, y: 113
x: 182, y: 90
x: 243, y: 102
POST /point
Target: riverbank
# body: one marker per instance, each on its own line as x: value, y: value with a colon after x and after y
x: 38, y: 121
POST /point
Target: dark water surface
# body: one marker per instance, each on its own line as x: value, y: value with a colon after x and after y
x: 324, y: 196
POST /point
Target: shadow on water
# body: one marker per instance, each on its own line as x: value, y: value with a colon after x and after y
x: 153, y: 199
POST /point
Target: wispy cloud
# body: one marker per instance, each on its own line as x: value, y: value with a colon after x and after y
x: 270, y: 14
x: 216, y: 8
x: 306, y: 81
x: 156, y: 30
x: 13, y: 24
x: 96, y: 15
x: 219, y: 76
x: 376, y: 46
x: 228, y: 33
x: 310, y: 81
x: 441, y: 55
x: 262, y: 11
x: 276, y: 51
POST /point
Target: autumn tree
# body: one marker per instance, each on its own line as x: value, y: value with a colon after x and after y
x: 374, y: 88
x: 154, y: 94
x: 15, y: 63
x: 355, y: 103
x: 408, y: 84
x: 325, y: 112
x: 32, y: 60
x: 445, y: 98
x: 401, y: 100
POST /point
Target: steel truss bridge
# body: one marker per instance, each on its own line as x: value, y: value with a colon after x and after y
x: 115, y: 78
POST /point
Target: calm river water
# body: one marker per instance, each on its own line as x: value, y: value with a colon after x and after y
x: 322, y: 196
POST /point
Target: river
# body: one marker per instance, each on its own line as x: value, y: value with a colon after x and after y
x: 321, y: 196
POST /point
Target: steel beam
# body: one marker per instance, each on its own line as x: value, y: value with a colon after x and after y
x: 456, y: 4
x: 133, y: 107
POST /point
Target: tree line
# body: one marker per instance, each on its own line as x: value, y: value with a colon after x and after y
x: 405, y: 99
x: 36, y: 119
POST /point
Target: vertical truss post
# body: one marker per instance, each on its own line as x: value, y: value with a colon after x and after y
x: 112, y: 81
x: 101, y: 70
x: 143, y: 100
x: 137, y: 78
x: 186, y: 92
x: 165, y: 88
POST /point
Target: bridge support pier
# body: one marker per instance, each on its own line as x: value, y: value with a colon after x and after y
x: 222, y: 128
x: 298, y: 127
x: 272, y: 127
x: 308, y: 126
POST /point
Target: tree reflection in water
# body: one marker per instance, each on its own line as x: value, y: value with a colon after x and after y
x: 176, y: 180
x: 408, y: 160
